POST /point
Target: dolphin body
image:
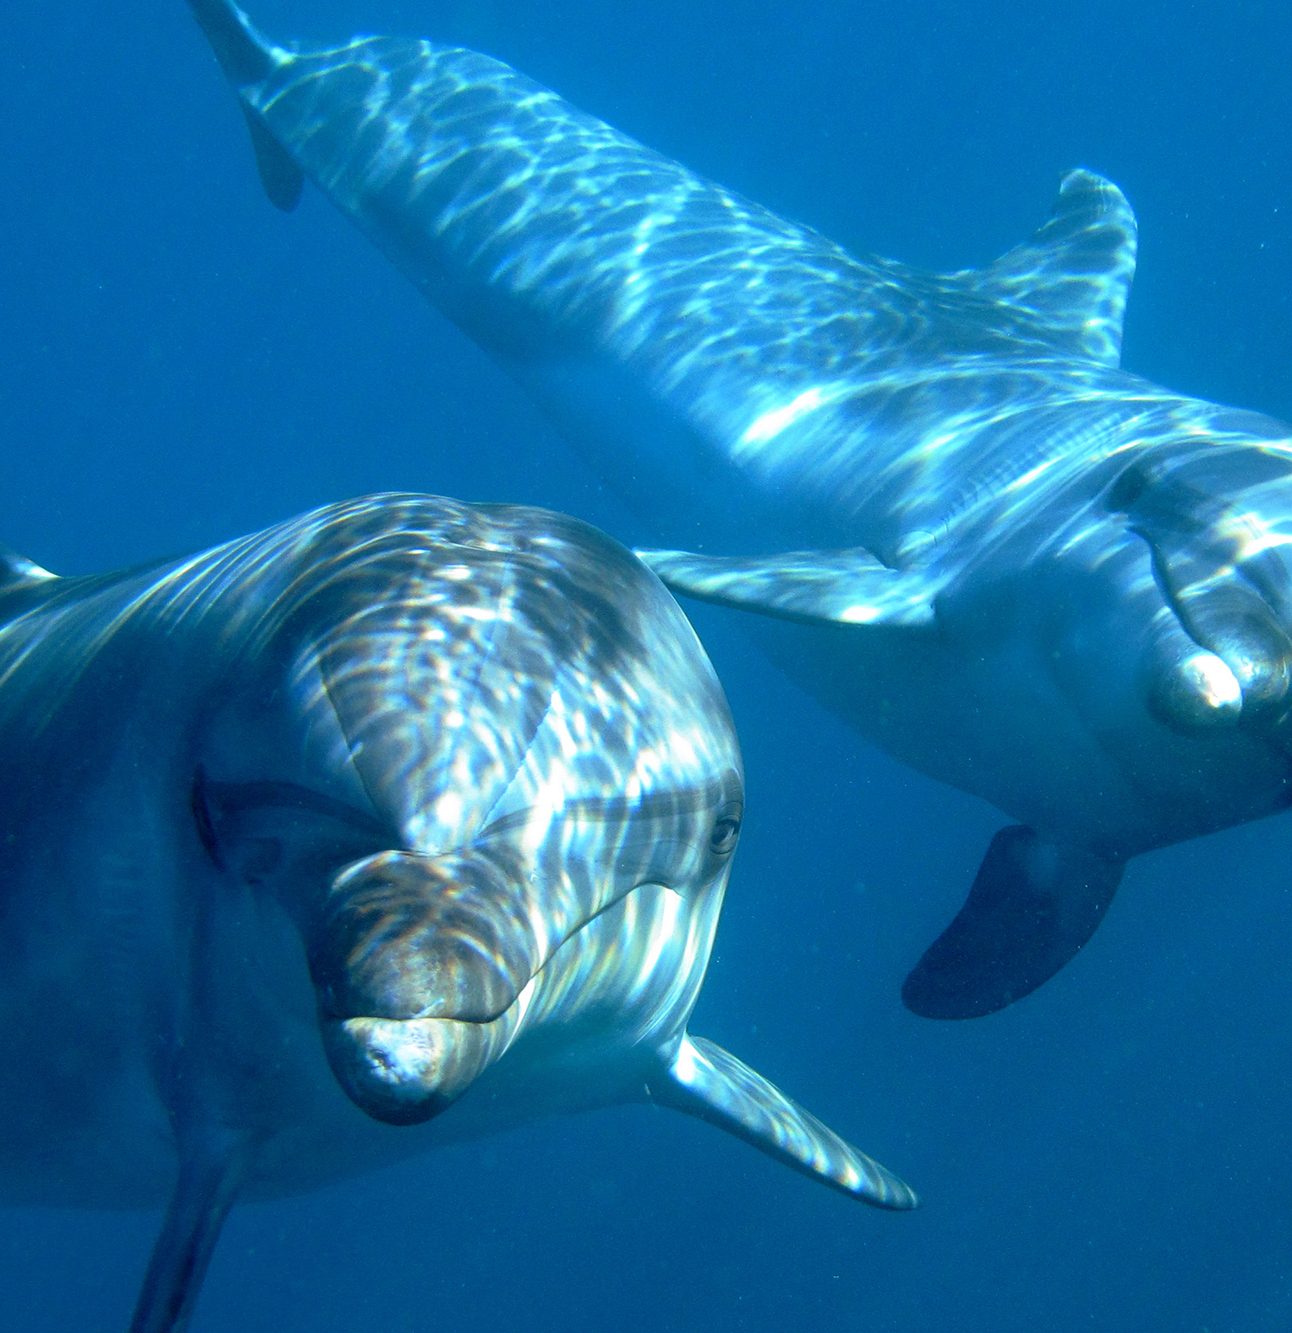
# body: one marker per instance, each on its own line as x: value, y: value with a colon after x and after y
x: 317, y: 832
x: 1012, y: 564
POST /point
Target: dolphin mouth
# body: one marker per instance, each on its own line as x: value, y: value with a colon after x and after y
x: 405, y: 1071
x: 413, y: 1012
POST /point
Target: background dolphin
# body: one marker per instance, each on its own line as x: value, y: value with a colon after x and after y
x: 453, y: 787
x: 1014, y: 565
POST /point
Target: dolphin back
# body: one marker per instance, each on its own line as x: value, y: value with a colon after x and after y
x: 716, y: 344
x: 479, y: 182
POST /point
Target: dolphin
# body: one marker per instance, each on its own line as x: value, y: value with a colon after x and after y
x: 1004, y: 559
x: 394, y: 824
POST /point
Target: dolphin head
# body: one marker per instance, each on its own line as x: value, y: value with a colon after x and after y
x: 501, y: 726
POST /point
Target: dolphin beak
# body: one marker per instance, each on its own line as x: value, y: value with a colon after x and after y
x: 407, y: 1070
x: 418, y: 962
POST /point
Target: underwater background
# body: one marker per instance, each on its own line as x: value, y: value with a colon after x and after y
x: 179, y: 364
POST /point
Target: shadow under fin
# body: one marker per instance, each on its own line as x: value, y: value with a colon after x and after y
x: 1032, y: 907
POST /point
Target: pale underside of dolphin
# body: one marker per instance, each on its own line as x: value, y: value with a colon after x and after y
x: 395, y: 824
x: 1007, y: 561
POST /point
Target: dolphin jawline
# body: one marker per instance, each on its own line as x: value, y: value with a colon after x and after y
x: 407, y: 1069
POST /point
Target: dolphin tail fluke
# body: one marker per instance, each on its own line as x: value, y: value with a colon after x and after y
x: 1031, y: 909
x: 248, y: 58
x: 244, y: 54
x: 206, y: 1188
x: 709, y: 1083
x: 848, y: 587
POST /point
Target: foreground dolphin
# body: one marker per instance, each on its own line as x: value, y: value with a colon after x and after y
x: 437, y: 795
x: 1015, y: 566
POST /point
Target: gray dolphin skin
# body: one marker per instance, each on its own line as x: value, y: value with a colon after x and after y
x: 1007, y: 561
x: 395, y: 824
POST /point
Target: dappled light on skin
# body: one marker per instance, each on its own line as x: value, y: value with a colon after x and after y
x: 397, y: 798
x: 1017, y: 562
x: 957, y: 427
x: 521, y: 707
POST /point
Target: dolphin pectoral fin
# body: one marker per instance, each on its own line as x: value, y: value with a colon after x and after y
x: 711, y: 1084
x: 282, y: 178
x: 1031, y: 908
x: 208, y: 1183
x: 847, y: 587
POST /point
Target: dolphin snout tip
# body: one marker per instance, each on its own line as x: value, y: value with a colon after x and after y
x: 1196, y: 691
x: 406, y: 1071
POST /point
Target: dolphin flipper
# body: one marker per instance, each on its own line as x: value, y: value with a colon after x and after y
x: 282, y: 179
x: 849, y: 587
x: 1031, y: 908
x: 204, y: 1192
x: 711, y: 1084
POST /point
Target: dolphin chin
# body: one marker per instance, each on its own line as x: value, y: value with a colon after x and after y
x: 404, y: 1071
x: 408, y: 1067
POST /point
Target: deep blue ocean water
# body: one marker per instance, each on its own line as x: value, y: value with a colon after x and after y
x: 179, y: 363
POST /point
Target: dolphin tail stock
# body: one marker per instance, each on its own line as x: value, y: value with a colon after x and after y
x: 247, y: 58
x: 710, y: 1084
x: 1032, y: 907
x: 207, y: 1185
x: 849, y: 587
x: 245, y: 55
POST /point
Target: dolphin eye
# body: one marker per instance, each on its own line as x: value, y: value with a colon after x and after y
x: 722, y: 840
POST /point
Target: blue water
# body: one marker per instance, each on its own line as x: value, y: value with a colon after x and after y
x: 179, y: 363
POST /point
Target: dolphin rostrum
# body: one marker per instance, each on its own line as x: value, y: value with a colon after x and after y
x: 393, y: 824
x: 1012, y: 564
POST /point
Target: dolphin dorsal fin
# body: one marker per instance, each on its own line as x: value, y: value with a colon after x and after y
x: 1070, y: 281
